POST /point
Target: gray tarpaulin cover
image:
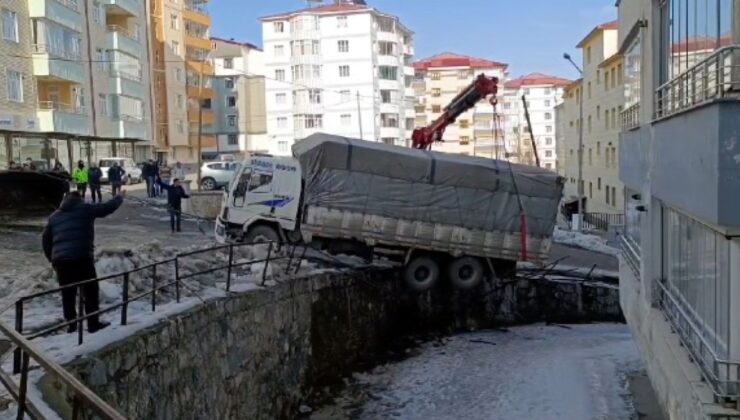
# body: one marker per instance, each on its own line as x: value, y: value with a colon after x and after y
x: 477, y: 193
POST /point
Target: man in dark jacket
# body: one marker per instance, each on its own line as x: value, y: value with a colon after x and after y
x: 69, y: 244
x: 115, y: 177
x: 147, y: 171
x: 175, y: 194
x: 94, y: 176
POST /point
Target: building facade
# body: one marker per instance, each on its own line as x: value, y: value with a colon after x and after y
x: 77, y: 67
x: 438, y: 79
x: 239, y: 97
x: 543, y: 93
x: 343, y: 69
x: 602, y: 92
x: 182, y: 78
x: 678, y: 161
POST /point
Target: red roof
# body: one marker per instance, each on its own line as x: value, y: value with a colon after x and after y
x: 537, y: 79
x: 613, y: 25
x: 700, y: 44
x: 326, y: 9
x: 448, y: 59
x: 231, y: 41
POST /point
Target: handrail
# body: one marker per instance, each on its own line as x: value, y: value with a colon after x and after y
x: 123, y: 31
x: 64, y: 54
x: 82, y: 393
x: 61, y: 107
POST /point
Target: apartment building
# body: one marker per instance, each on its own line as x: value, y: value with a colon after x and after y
x: 182, y: 78
x: 543, y: 93
x: 438, y: 79
x: 239, y: 98
x: 76, y: 67
x: 344, y: 68
x: 602, y: 92
x: 678, y: 161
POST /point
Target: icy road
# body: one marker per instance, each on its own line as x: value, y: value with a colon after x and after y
x: 533, y: 372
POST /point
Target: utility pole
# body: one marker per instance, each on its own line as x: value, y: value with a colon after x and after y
x: 200, y: 121
x: 579, y: 226
x: 359, y: 115
x: 531, y: 133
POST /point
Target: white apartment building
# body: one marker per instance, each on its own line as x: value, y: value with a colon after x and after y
x: 602, y: 91
x: 678, y: 159
x: 543, y: 93
x: 438, y: 80
x: 239, y: 98
x: 343, y: 69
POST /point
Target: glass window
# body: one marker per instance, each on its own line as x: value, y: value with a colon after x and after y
x: 278, y: 27
x: 10, y: 25
x: 341, y: 21
x: 232, y: 140
x: 231, y: 120
x: 260, y: 183
x: 387, y: 48
x: 345, y: 95
x: 282, y: 122
x: 279, y: 50
x: 283, y: 146
x: 280, y: 98
x: 15, y: 86
x: 388, y: 72
x: 343, y: 71
x: 346, y: 119
x: 228, y: 63
x: 231, y: 101
x: 174, y: 23
x: 229, y: 83
x: 343, y: 46
x: 279, y: 75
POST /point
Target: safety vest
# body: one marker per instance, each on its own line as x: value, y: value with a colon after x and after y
x: 80, y: 175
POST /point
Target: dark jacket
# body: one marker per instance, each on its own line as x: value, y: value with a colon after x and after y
x: 115, y: 174
x: 147, y: 170
x: 70, y: 233
x: 94, y: 175
x: 175, y: 194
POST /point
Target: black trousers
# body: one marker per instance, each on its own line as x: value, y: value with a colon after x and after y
x: 75, y: 271
x: 115, y: 187
x: 95, y: 191
x: 82, y: 189
x: 174, y: 219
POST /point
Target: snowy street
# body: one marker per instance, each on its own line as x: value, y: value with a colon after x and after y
x: 542, y: 372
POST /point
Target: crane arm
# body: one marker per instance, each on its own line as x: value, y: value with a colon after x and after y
x: 482, y: 86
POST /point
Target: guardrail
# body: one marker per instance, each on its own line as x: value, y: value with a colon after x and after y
x: 60, y: 106
x: 123, y: 31
x: 715, y: 77
x: 58, y: 52
x: 196, y: 8
x: 631, y: 117
x: 631, y: 253
x: 723, y: 376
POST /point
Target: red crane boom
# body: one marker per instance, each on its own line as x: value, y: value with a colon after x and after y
x: 482, y: 86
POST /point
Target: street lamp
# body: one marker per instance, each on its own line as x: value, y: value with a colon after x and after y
x: 580, y: 145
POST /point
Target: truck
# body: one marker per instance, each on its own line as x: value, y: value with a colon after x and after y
x: 438, y: 214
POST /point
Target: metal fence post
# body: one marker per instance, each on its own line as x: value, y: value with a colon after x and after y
x: 290, y: 259
x: 80, y: 311
x: 303, y: 254
x: 177, y: 280
x: 23, y: 387
x: 228, y: 270
x: 267, y: 263
x: 18, y: 327
x: 124, y: 308
x: 154, y: 287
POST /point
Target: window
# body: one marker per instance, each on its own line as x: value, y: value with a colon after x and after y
x: 176, y: 47
x: 343, y: 46
x: 206, y: 103
x: 547, y: 91
x: 589, y: 123
x: 606, y: 119
x: 103, y: 104
x: 231, y: 101
x: 314, y: 96
x: 464, y: 74
x: 98, y: 13
x: 590, y: 157
x: 464, y: 140
x: 548, y: 165
x: 547, y: 103
x: 278, y: 27
x: 15, y: 86
x: 341, y: 21
x: 231, y: 120
x: 279, y: 52
x: 436, y: 109
x: 180, y: 101
x: 280, y: 98
x: 178, y: 74
x: 260, y: 182
x: 279, y: 75
x: 608, y: 196
x: 282, y: 122
x: 309, y: 121
x: 632, y: 73
x: 436, y: 92
x: 548, y: 153
x: 526, y: 91
x: 589, y: 90
x: 305, y: 47
x: 548, y: 115
x: 614, y: 118
x: 180, y: 127
x: 346, y: 119
x: 464, y: 124
x: 345, y: 95
x: 388, y: 72
x: 614, y: 196
x: 598, y: 112
x: 588, y: 55
x: 228, y: 63
x: 389, y: 96
x: 435, y: 75
x: 232, y: 140
x: 174, y: 22
x: 283, y: 146
x: 590, y: 189
x: 10, y: 25
x: 389, y: 120
x: 344, y: 71
x: 598, y: 184
x: 548, y: 141
x: 548, y: 128
x: 387, y: 48
x: 100, y: 57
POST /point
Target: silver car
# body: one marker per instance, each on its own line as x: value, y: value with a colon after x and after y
x: 215, y: 175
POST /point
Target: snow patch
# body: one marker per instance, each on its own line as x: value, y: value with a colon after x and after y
x: 583, y: 240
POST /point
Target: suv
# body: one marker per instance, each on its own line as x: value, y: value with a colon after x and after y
x: 215, y: 175
x: 133, y: 172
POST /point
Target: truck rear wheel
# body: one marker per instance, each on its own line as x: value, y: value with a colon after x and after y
x: 466, y: 272
x: 421, y: 273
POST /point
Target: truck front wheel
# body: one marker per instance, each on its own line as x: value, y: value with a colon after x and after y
x: 421, y: 273
x: 261, y: 234
x: 466, y: 272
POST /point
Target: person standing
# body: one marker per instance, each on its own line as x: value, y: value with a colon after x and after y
x: 94, y: 176
x: 175, y: 194
x: 69, y: 244
x: 155, y: 174
x: 80, y: 177
x: 165, y: 174
x: 146, y: 172
x: 115, y: 177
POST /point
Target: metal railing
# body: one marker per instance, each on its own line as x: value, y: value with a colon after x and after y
x: 631, y: 117
x: 71, y: 4
x: 61, y: 107
x: 715, y: 77
x: 723, y: 376
x: 133, y: 35
x: 55, y: 51
x: 196, y: 8
x: 114, y: 72
x: 631, y: 253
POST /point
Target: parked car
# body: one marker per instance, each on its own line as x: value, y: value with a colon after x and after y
x: 133, y: 172
x: 215, y: 175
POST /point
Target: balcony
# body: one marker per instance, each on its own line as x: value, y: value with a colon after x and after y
x: 196, y: 13
x: 715, y: 78
x: 202, y: 93
x: 193, y: 40
x: 120, y: 38
x: 63, y: 12
x: 630, y: 117
x: 132, y: 128
x: 129, y: 8
x: 208, y: 117
x: 62, y: 118
x: 52, y: 64
x: 199, y: 66
x: 126, y: 85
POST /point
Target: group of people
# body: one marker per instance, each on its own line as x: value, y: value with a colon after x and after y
x: 154, y: 171
x: 92, y: 176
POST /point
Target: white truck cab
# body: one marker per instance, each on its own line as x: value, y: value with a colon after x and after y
x: 263, y: 200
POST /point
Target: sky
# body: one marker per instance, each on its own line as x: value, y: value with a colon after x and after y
x: 529, y: 35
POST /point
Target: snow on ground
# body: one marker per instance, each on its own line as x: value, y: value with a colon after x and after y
x: 583, y: 240
x: 531, y: 372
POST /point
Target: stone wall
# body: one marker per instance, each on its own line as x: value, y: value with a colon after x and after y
x: 205, y: 204
x: 258, y: 355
